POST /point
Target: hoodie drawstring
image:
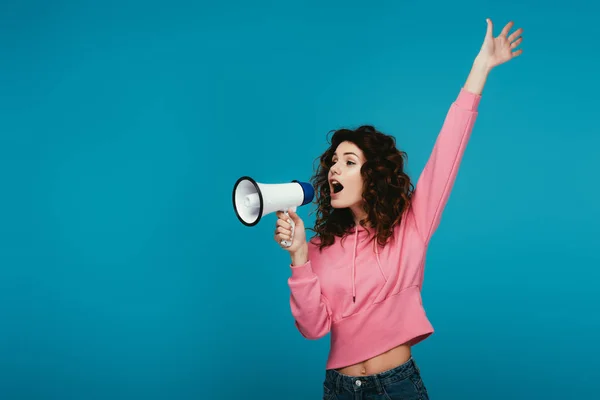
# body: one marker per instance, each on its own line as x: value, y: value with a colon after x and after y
x: 354, y: 264
x: 378, y: 262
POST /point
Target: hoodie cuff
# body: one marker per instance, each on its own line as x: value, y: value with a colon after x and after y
x: 302, y: 271
x: 468, y: 100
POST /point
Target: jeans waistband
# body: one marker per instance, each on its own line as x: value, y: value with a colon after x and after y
x: 339, y: 381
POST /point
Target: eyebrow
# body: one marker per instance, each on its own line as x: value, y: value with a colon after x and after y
x: 348, y: 152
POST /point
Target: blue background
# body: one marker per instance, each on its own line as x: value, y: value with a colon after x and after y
x: 124, y: 272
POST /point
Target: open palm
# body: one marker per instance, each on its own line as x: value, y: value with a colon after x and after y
x: 500, y: 49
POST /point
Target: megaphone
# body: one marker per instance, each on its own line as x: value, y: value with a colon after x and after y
x: 253, y: 200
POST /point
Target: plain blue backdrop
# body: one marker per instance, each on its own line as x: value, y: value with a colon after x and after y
x: 124, y: 272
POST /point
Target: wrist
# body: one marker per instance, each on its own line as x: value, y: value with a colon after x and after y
x: 478, y: 76
x: 300, y: 256
x: 481, y: 65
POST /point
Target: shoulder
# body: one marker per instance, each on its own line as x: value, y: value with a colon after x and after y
x: 320, y: 255
x: 313, y: 245
x: 405, y: 229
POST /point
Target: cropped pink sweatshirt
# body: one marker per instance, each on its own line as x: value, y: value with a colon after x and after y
x: 369, y: 297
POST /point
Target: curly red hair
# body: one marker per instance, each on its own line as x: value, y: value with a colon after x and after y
x: 387, y: 189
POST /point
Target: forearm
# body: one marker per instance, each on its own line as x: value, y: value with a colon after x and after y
x: 310, y: 308
x: 477, y: 77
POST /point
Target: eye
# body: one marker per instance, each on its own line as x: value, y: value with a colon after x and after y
x: 350, y: 162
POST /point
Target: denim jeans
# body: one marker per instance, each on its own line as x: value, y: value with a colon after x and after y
x: 400, y: 383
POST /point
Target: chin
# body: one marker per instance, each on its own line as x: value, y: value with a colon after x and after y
x: 338, y: 204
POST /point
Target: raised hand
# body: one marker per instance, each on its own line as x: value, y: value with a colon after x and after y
x: 500, y: 49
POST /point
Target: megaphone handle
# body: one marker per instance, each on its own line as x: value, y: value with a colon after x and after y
x: 288, y: 243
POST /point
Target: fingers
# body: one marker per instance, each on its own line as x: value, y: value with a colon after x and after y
x: 283, y: 220
x: 515, y: 34
x: 283, y: 224
x: 516, y: 43
x: 507, y: 29
x: 283, y: 229
x: 282, y: 234
x: 291, y: 215
x: 490, y: 28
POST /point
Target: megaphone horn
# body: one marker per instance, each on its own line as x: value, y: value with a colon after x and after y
x: 253, y: 200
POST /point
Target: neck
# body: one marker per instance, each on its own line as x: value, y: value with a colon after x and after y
x: 359, y: 214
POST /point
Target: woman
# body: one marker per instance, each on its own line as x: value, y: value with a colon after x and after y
x: 360, y: 277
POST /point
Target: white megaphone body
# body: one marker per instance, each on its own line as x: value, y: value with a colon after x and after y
x: 253, y: 200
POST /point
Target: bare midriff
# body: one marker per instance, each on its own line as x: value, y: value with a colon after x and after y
x: 380, y: 363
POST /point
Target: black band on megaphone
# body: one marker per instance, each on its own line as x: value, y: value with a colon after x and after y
x: 260, y: 210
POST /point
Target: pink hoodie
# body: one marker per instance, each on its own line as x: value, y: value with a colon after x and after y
x: 368, y: 297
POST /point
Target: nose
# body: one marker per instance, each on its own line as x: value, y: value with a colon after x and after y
x: 334, y: 169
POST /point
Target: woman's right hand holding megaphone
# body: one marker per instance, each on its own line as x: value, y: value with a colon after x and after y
x: 283, y: 230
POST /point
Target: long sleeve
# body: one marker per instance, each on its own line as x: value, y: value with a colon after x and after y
x: 309, y: 307
x: 437, y: 179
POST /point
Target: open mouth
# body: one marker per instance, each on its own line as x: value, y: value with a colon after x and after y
x: 337, y: 187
